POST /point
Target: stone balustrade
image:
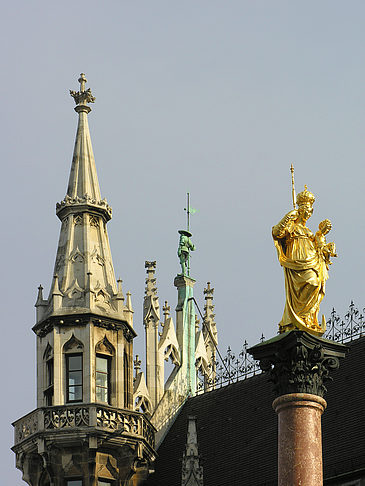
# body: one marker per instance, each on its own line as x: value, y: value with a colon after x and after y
x: 84, y: 416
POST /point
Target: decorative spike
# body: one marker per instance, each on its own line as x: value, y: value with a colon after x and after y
x: 166, y: 311
x: 55, y: 287
x: 129, y: 302
x: 208, y: 292
x: 151, y: 288
x: 88, y: 282
x: 137, y: 365
x: 83, y: 96
x: 40, y: 300
x: 56, y: 294
x: 120, y: 295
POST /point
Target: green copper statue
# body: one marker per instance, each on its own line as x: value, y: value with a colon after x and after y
x: 185, y: 245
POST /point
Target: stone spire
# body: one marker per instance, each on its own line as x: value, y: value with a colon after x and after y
x: 210, y: 327
x: 192, y: 472
x: 151, y: 320
x: 84, y: 274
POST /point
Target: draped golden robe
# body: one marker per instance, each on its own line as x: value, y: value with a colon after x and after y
x: 305, y: 277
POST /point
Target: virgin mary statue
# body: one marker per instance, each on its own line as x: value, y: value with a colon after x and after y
x: 304, y: 257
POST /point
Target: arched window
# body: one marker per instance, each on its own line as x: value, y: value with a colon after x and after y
x: 126, y: 381
x: 73, y: 350
x: 103, y: 369
x: 49, y: 375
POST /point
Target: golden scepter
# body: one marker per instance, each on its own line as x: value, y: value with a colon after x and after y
x: 292, y: 185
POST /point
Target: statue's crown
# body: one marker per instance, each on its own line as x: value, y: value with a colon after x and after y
x: 305, y: 197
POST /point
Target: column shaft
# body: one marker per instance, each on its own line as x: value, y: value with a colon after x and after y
x: 299, y: 439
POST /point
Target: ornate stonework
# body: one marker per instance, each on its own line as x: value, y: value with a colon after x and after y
x: 298, y: 362
x: 192, y: 470
x: 85, y: 425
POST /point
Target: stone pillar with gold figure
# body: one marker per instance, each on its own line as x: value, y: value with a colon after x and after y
x: 299, y: 361
x: 305, y: 258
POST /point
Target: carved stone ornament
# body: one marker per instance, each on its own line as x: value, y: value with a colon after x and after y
x: 298, y: 362
x: 82, y: 201
x: 127, y: 334
x: 94, y: 221
x: 104, y: 346
x: 78, y: 219
x: 97, y: 258
x: 73, y: 344
x: 84, y: 95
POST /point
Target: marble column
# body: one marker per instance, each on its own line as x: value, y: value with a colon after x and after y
x: 299, y: 366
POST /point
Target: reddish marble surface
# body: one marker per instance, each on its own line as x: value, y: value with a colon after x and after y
x: 299, y: 439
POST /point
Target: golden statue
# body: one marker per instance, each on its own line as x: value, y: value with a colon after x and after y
x: 305, y: 258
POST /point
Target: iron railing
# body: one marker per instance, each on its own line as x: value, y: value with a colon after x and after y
x: 235, y: 367
x: 349, y: 328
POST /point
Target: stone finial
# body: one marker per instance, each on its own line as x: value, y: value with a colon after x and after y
x: 166, y: 310
x: 209, y: 307
x: 82, y: 80
x: 137, y: 364
x: 209, y: 321
x: 56, y: 288
x: 120, y: 295
x: 151, y: 266
x: 56, y: 294
x: 208, y: 292
x: 83, y: 96
x: 151, y: 288
x: 40, y: 300
x: 129, y: 302
x: 197, y: 322
x: 192, y: 471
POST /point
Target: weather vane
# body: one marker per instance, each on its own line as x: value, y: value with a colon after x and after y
x: 189, y: 210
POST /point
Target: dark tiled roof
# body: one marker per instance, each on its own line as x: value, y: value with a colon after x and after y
x: 343, y: 423
x: 237, y: 430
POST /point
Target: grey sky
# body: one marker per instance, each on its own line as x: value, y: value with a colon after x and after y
x: 214, y: 97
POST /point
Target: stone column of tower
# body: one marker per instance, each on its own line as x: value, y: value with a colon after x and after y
x: 151, y: 320
x: 84, y: 431
x: 180, y: 347
x: 185, y: 329
x: 299, y: 365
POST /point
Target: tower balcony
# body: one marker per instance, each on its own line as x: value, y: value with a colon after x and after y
x: 70, y: 423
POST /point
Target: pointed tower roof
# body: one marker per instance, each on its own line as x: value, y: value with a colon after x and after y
x: 84, y: 279
x: 83, y: 185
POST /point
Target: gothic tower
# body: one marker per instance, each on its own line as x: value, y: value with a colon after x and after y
x: 84, y: 431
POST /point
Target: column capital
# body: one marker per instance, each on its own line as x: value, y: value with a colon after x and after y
x: 299, y: 362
